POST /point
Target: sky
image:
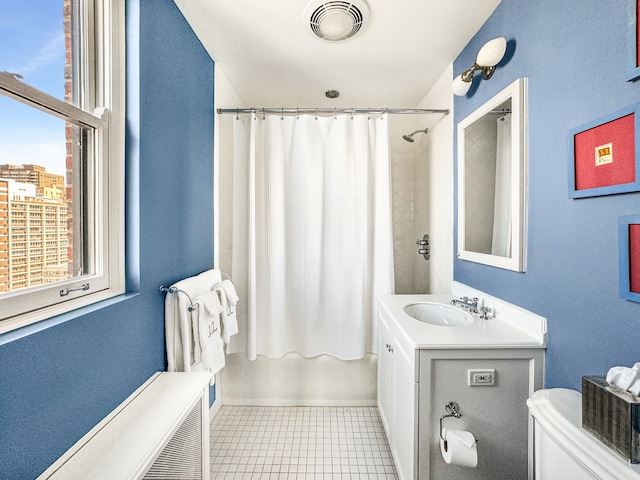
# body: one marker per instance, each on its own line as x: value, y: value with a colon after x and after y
x: 32, y: 45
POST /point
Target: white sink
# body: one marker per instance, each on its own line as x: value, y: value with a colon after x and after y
x: 438, y: 314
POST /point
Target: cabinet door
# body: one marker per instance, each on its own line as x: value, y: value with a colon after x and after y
x: 403, y: 424
x: 385, y: 371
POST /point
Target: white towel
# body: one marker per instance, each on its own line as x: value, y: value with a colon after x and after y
x: 230, y: 290
x: 635, y: 388
x: 207, y: 325
x: 229, y: 299
x: 625, y: 378
x: 208, y: 308
x: 178, y: 324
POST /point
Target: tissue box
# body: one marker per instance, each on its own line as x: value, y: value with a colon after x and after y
x: 612, y: 415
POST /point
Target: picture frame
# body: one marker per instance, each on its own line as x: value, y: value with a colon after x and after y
x: 603, y: 155
x: 629, y: 248
x: 633, y: 40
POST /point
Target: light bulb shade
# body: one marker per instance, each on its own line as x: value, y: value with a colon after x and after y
x: 335, y: 26
x: 492, y: 52
x: 460, y: 87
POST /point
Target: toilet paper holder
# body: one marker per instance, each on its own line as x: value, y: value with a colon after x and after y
x: 453, y: 410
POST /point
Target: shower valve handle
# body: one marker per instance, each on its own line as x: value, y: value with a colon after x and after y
x: 423, y: 246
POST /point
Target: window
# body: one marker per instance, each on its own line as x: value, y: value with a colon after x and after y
x: 61, y: 156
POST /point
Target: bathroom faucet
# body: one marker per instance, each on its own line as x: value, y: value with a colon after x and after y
x: 469, y: 303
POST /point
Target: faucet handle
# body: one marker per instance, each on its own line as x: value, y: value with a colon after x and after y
x: 485, y: 312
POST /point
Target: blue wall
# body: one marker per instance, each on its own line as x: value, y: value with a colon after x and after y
x: 60, y: 377
x: 574, y: 56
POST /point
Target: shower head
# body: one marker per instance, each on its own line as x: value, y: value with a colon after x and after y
x: 409, y: 138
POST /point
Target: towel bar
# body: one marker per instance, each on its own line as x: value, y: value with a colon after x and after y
x: 192, y: 307
x: 164, y: 290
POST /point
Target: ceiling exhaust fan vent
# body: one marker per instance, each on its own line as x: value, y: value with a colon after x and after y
x: 336, y: 20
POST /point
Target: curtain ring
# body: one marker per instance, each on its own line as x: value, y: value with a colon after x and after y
x: 281, y: 113
x: 237, y: 113
x: 352, y: 111
x: 316, y: 113
x: 298, y: 113
x: 263, y: 114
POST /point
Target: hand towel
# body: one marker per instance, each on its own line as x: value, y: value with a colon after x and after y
x: 208, y: 308
x: 230, y: 290
x: 229, y: 299
x: 178, y: 323
x: 208, y: 327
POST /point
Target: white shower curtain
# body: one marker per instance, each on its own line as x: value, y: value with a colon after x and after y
x: 501, y: 242
x: 312, y: 239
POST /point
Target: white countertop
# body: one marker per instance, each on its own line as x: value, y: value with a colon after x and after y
x: 492, y: 333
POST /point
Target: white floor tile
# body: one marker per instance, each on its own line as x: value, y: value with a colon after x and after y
x: 300, y: 443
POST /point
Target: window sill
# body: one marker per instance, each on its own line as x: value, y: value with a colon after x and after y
x: 11, y: 333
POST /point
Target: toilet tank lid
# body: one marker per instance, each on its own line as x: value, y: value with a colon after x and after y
x: 557, y: 405
x: 559, y: 412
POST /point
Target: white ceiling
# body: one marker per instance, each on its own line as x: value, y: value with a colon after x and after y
x: 266, y: 50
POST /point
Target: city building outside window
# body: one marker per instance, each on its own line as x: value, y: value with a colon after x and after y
x: 61, y: 156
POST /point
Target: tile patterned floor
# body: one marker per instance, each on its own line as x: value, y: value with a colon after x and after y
x: 300, y: 443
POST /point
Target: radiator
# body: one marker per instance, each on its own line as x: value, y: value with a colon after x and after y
x: 160, y: 432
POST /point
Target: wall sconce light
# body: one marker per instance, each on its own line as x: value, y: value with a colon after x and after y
x: 488, y: 57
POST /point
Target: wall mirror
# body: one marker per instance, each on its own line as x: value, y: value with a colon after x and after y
x: 492, y: 168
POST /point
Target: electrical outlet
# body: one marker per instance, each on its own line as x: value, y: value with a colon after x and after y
x: 481, y: 378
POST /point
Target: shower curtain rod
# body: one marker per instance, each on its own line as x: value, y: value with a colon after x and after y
x: 333, y: 111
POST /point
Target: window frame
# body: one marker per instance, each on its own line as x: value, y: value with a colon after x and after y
x: 103, y: 113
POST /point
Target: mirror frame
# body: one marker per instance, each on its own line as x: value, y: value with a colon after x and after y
x: 516, y: 262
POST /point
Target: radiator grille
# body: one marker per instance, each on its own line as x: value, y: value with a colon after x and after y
x: 181, y: 458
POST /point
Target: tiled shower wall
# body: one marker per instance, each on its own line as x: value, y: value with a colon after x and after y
x: 410, y: 203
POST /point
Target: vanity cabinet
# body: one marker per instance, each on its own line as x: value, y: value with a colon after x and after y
x: 397, y: 395
x: 422, y: 367
x: 496, y: 414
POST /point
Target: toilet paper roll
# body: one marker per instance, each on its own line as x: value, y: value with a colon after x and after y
x: 459, y: 448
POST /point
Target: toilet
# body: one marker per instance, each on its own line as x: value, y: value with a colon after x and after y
x: 563, y: 450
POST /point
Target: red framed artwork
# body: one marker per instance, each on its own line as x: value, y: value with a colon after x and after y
x: 633, y: 40
x: 604, y: 156
x: 629, y: 240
